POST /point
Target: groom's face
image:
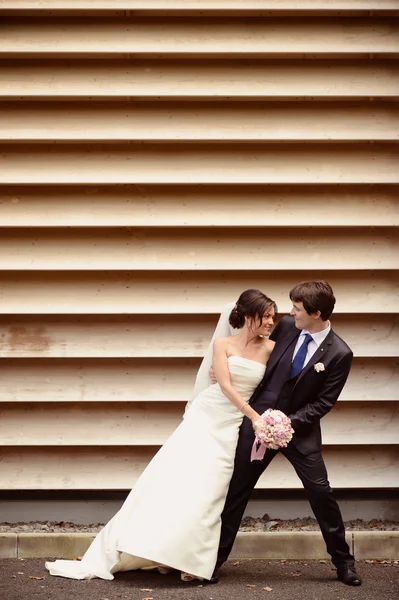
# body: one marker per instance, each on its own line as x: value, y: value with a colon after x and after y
x: 302, y: 319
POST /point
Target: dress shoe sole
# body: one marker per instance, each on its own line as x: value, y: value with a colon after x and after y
x: 211, y: 581
x: 353, y: 583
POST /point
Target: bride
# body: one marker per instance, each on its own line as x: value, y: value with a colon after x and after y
x: 171, y: 519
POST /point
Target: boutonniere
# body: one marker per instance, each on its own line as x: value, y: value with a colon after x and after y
x: 318, y: 367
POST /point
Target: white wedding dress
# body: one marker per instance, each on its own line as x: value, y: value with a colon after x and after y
x: 172, y: 516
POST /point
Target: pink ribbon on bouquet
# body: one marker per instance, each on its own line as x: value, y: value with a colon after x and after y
x: 258, y: 450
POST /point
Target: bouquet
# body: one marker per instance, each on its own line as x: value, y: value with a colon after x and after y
x: 273, y: 430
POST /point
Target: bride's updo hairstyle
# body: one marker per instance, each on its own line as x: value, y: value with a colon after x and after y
x: 253, y: 304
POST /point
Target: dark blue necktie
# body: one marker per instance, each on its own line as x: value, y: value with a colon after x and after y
x: 298, y: 362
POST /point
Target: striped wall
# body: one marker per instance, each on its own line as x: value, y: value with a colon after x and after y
x: 157, y: 158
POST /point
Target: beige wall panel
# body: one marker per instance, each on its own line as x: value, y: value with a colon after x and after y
x: 237, y: 36
x: 370, y: 339
x: 152, y: 380
x: 182, y: 336
x: 372, y: 379
x: 369, y: 423
x: 230, y: 5
x: 118, y: 468
x: 202, y: 163
x: 93, y: 380
x: 291, y: 79
x: 182, y: 121
x: 172, y: 292
x: 110, y: 290
x: 155, y: 206
x: 210, y: 249
x: 151, y: 424
x: 117, y: 336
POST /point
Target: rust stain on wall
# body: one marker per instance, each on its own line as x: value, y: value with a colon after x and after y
x: 28, y: 338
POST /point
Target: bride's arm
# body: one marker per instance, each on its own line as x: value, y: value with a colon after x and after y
x: 222, y: 373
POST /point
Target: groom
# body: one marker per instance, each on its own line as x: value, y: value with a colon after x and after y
x: 304, y: 377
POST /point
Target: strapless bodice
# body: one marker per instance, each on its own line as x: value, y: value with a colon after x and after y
x: 245, y: 374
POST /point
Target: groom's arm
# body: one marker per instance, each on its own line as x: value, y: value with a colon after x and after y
x: 274, y: 334
x: 335, y: 381
x: 284, y: 324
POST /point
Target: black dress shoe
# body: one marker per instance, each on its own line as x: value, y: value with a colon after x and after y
x: 214, y: 578
x: 347, y: 574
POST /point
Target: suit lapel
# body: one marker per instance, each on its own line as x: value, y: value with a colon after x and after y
x: 280, y: 349
x: 318, y: 355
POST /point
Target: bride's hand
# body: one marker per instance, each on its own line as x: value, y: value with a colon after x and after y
x: 256, y: 417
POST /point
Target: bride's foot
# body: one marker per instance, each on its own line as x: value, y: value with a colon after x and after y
x: 188, y: 577
x: 164, y: 570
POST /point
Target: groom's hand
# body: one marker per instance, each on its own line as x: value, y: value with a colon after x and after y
x: 211, y: 374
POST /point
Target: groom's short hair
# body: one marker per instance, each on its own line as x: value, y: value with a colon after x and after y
x: 314, y: 295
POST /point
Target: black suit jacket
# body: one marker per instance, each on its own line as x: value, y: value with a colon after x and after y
x: 311, y: 395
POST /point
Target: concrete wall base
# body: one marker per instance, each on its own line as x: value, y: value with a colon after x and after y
x: 277, y: 545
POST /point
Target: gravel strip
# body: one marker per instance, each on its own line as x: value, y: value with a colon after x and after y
x: 309, y: 524
x: 248, y: 524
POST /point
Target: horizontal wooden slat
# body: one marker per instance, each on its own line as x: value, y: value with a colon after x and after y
x: 182, y: 121
x: 199, y: 248
x: 156, y: 206
x: 370, y: 423
x: 372, y: 379
x: 252, y: 79
x: 149, y: 424
x: 207, y: 35
x: 118, y: 468
x: 157, y: 336
x: 202, y: 5
x: 173, y: 292
x: 199, y: 163
x: 154, y: 380
x: 94, y: 380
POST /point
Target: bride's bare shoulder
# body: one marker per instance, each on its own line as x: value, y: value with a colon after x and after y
x: 221, y: 342
x: 269, y: 344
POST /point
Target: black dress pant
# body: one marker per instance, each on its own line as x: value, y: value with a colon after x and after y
x: 311, y: 470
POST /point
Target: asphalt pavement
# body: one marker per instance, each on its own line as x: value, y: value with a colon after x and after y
x: 247, y: 579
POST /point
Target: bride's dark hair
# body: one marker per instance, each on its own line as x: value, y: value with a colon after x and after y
x: 253, y: 304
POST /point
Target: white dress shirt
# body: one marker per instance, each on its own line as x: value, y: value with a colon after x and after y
x: 318, y: 339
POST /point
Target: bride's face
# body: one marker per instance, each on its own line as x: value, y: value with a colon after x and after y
x: 264, y: 326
